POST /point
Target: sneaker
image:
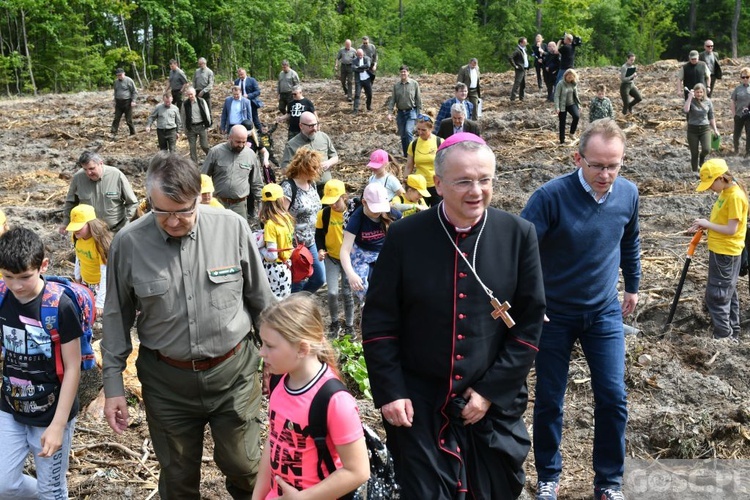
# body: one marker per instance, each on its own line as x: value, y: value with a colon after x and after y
x: 547, y: 490
x: 334, y: 330
x: 349, y: 330
x: 608, y: 494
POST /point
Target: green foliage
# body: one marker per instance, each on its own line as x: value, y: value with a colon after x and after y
x: 352, y: 363
x: 75, y: 44
x: 121, y: 58
x: 654, y: 23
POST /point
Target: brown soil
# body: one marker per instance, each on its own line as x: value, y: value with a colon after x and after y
x: 689, y: 401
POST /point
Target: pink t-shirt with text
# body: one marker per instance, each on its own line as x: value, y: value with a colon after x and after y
x: 293, y: 455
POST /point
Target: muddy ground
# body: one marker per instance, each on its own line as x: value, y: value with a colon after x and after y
x: 687, y: 399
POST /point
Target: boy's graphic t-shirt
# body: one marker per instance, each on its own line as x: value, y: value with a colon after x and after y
x: 293, y: 455
x: 31, y: 389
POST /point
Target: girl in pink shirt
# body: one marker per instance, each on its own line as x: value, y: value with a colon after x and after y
x: 295, y: 346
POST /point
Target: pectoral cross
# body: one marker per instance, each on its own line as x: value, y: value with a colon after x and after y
x: 501, y: 311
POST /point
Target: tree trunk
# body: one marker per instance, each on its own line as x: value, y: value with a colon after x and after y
x: 127, y: 42
x: 735, y: 24
x: 26, y: 47
x: 2, y: 53
x: 539, y: 15
x: 400, y: 15
x: 692, y: 16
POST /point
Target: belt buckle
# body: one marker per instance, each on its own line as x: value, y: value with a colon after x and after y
x: 193, y: 362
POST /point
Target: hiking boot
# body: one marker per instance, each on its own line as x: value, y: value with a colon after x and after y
x: 334, y: 330
x: 547, y: 490
x: 608, y: 494
x: 349, y: 330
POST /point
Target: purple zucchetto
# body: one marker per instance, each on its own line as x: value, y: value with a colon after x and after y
x: 460, y: 137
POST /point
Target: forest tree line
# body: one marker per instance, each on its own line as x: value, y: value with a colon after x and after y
x: 74, y: 45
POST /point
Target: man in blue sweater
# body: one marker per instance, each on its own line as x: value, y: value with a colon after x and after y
x: 587, y: 226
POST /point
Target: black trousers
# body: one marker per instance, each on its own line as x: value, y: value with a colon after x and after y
x: 167, y: 139
x: 741, y: 123
x: 362, y: 84
x: 563, y: 114
x: 346, y: 76
x: 123, y: 107
x: 177, y: 97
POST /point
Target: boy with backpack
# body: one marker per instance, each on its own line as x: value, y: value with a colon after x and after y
x: 412, y: 201
x: 38, y: 406
x: 329, y: 234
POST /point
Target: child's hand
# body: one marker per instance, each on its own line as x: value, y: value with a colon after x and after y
x: 51, y: 440
x: 322, y: 255
x: 421, y: 207
x: 288, y: 492
x: 698, y: 224
x: 355, y: 282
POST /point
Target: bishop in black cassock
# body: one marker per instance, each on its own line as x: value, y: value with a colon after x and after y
x: 430, y: 337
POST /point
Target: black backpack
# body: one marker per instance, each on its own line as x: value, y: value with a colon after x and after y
x: 382, y: 483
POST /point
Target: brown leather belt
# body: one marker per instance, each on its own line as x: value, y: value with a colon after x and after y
x: 232, y: 201
x: 199, y: 365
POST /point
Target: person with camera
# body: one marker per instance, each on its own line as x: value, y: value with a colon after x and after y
x: 567, y: 49
x: 740, y: 106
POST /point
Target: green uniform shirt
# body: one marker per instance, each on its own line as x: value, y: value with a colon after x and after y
x: 197, y: 295
x: 111, y: 196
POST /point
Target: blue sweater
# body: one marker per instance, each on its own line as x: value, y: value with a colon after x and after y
x: 582, y: 243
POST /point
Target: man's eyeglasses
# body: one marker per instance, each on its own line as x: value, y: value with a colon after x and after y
x: 709, y: 46
x: 745, y: 77
x: 611, y: 169
x: 310, y: 124
x: 464, y: 185
x: 424, y: 118
x: 180, y: 214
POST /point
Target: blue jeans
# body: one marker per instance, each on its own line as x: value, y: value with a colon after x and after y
x: 406, y: 121
x: 318, y: 277
x: 601, y: 336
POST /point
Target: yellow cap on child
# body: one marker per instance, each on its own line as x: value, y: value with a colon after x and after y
x: 271, y: 192
x: 418, y: 182
x: 710, y: 171
x: 80, y: 216
x: 207, y: 184
x: 332, y: 191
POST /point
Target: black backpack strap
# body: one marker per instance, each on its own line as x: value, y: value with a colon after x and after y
x: 317, y: 427
x: 326, y: 218
x: 413, y: 146
x: 273, y: 382
x: 293, y: 187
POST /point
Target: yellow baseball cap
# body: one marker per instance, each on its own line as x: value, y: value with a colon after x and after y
x: 332, y: 192
x: 271, y: 192
x: 79, y: 216
x: 710, y: 171
x: 418, y: 182
x: 207, y: 184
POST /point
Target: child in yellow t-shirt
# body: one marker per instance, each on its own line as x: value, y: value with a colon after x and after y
x: 413, y: 200
x: 91, y: 238
x: 329, y: 234
x: 726, y: 239
x: 207, y: 192
x: 278, y: 233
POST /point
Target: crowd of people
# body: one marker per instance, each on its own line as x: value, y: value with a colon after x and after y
x: 448, y: 353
